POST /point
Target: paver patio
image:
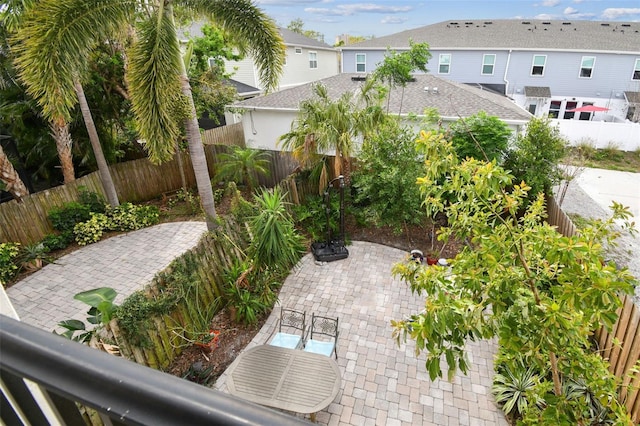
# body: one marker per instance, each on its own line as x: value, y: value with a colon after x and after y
x: 382, y: 384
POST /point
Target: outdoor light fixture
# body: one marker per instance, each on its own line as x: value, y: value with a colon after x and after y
x: 330, y: 250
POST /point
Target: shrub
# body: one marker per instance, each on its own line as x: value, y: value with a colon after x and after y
x: 128, y: 217
x: 480, y: 136
x: 91, y: 231
x: 8, y: 266
x: 92, y: 200
x: 65, y: 218
x: 53, y: 242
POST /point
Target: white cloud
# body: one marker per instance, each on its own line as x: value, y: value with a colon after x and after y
x: 570, y: 11
x: 615, y: 13
x: 393, y: 20
x: 353, y: 9
x: 550, y: 3
x: 578, y: 1
x: 545, y: 16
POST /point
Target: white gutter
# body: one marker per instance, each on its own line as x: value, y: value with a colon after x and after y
x: 506, y: 71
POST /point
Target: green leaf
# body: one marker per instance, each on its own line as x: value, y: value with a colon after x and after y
x: 96, y: 296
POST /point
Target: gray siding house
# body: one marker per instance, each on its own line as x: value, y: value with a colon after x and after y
x: 546, y: 67
x: 307, y: 60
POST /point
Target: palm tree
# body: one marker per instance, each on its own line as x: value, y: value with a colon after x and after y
x: 325, y: 124
x: 242, y: 165
x: 10, y: 178
x: 158, y: 84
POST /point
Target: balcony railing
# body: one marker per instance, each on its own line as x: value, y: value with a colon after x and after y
x: 121, y: 391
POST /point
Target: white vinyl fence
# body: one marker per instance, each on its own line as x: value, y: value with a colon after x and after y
x: 601, y: 134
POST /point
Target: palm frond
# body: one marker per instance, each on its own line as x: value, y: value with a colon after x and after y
x: 154, y: 84
x: 54, y: 41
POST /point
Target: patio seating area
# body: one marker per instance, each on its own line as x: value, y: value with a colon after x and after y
x: 381, y: 383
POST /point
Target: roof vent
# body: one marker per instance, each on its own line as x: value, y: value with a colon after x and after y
x: 604, y: 25
x: 426, y: 89
x: 468, y: 23
x: 453, y: 23
x: 359, y: 78
x: 488, y: 23
x: 566, y: 23
x: 625, y: 25
x: 546, y: 23
x: 526, y: 23
x: 434, y: 90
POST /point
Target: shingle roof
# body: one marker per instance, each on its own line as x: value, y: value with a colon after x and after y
x: 515, y: 34
x: 451, y: 99
x: 633, y: 97
x: 537, y: 92
x: 295, y: 39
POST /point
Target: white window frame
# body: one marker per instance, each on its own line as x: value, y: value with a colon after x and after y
x: 485, y: 64
x: 313, y: 60
x: 298, y: 50
x: 446, y: 64
x: 533, y: 65
x: 582, y: 66
x: 635, y: 75
x: 363, y: 62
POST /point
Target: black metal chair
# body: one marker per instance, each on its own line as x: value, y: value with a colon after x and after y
x: 291, y: 328
x: 322, y: 336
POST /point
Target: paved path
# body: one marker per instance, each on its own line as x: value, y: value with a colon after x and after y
x: 125, y: 263
x: 383, y: 384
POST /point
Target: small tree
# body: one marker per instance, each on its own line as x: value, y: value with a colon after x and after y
x: 535, y: 156
x: 480, y: 136
x: 541, y: 293
x: 243, y: 165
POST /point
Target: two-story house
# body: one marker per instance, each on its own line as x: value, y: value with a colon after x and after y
x: 307, y: 60
x: 546, y: 67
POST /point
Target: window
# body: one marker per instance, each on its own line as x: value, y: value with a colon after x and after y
x: 444, y: 64
x: 585, y: 115
x: 488, y: 61
x: 361, y: 62
x: 313, y: 60
x: 586, y: 67
x: 570, y: 105
x: 298, y: 50
x: 636, y: 70
x: 554, y: 109
x: 537, y: 67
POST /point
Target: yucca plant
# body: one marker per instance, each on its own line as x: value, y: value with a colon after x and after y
x: 511, y: 388
x: 276, y: 245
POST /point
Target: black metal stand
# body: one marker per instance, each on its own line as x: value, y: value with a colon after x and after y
x: 330, y: 250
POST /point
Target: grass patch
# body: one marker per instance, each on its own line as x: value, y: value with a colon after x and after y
x: 609, y: 158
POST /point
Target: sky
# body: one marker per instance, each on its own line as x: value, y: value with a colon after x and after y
x: 383, y: 17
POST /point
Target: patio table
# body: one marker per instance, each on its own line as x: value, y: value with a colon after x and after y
x: 288, y: 379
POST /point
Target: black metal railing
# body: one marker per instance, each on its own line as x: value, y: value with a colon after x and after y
x: 121, y: 391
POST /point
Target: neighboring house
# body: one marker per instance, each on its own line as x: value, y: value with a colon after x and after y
x: 307, y: 60
x: 546, y: 67
x: 266, y: 118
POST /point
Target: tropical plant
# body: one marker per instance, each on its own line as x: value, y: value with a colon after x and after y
x: 276, y: 245
x: 101, y: 310
x: 513, y: 388
x: 158, y: 84
x: 33, y: 256
x: 517, y: 279
x: 480, y: 136
x: 246, y: 304
x: 11, y: 179
x: 242, y: 165
x: 198, y: 373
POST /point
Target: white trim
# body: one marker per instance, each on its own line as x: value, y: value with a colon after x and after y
x: 593, y: 65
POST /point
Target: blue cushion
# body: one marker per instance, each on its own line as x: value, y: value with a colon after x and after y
x: 285, y: 340
x: 322, y: 348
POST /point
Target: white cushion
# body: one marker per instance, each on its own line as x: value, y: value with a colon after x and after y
x: 322, y: 348
x: 285, y: 340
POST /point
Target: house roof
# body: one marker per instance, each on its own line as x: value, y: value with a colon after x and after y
x: 633, y: 97
x: 244, y: 90
x: 530, y: 34
x: 294, y: 39
x: 451, y: 99
x: 537, y: 91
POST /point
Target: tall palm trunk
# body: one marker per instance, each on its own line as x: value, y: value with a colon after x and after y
x: 196, y: 150
x: 103, y: 167
x: 10, y: 177
x: 62, y: 136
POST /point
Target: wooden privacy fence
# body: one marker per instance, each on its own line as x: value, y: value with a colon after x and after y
x: 135, y: 181
x: 232, y: 134
x: 168, y: 334
x: 622, y: 358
